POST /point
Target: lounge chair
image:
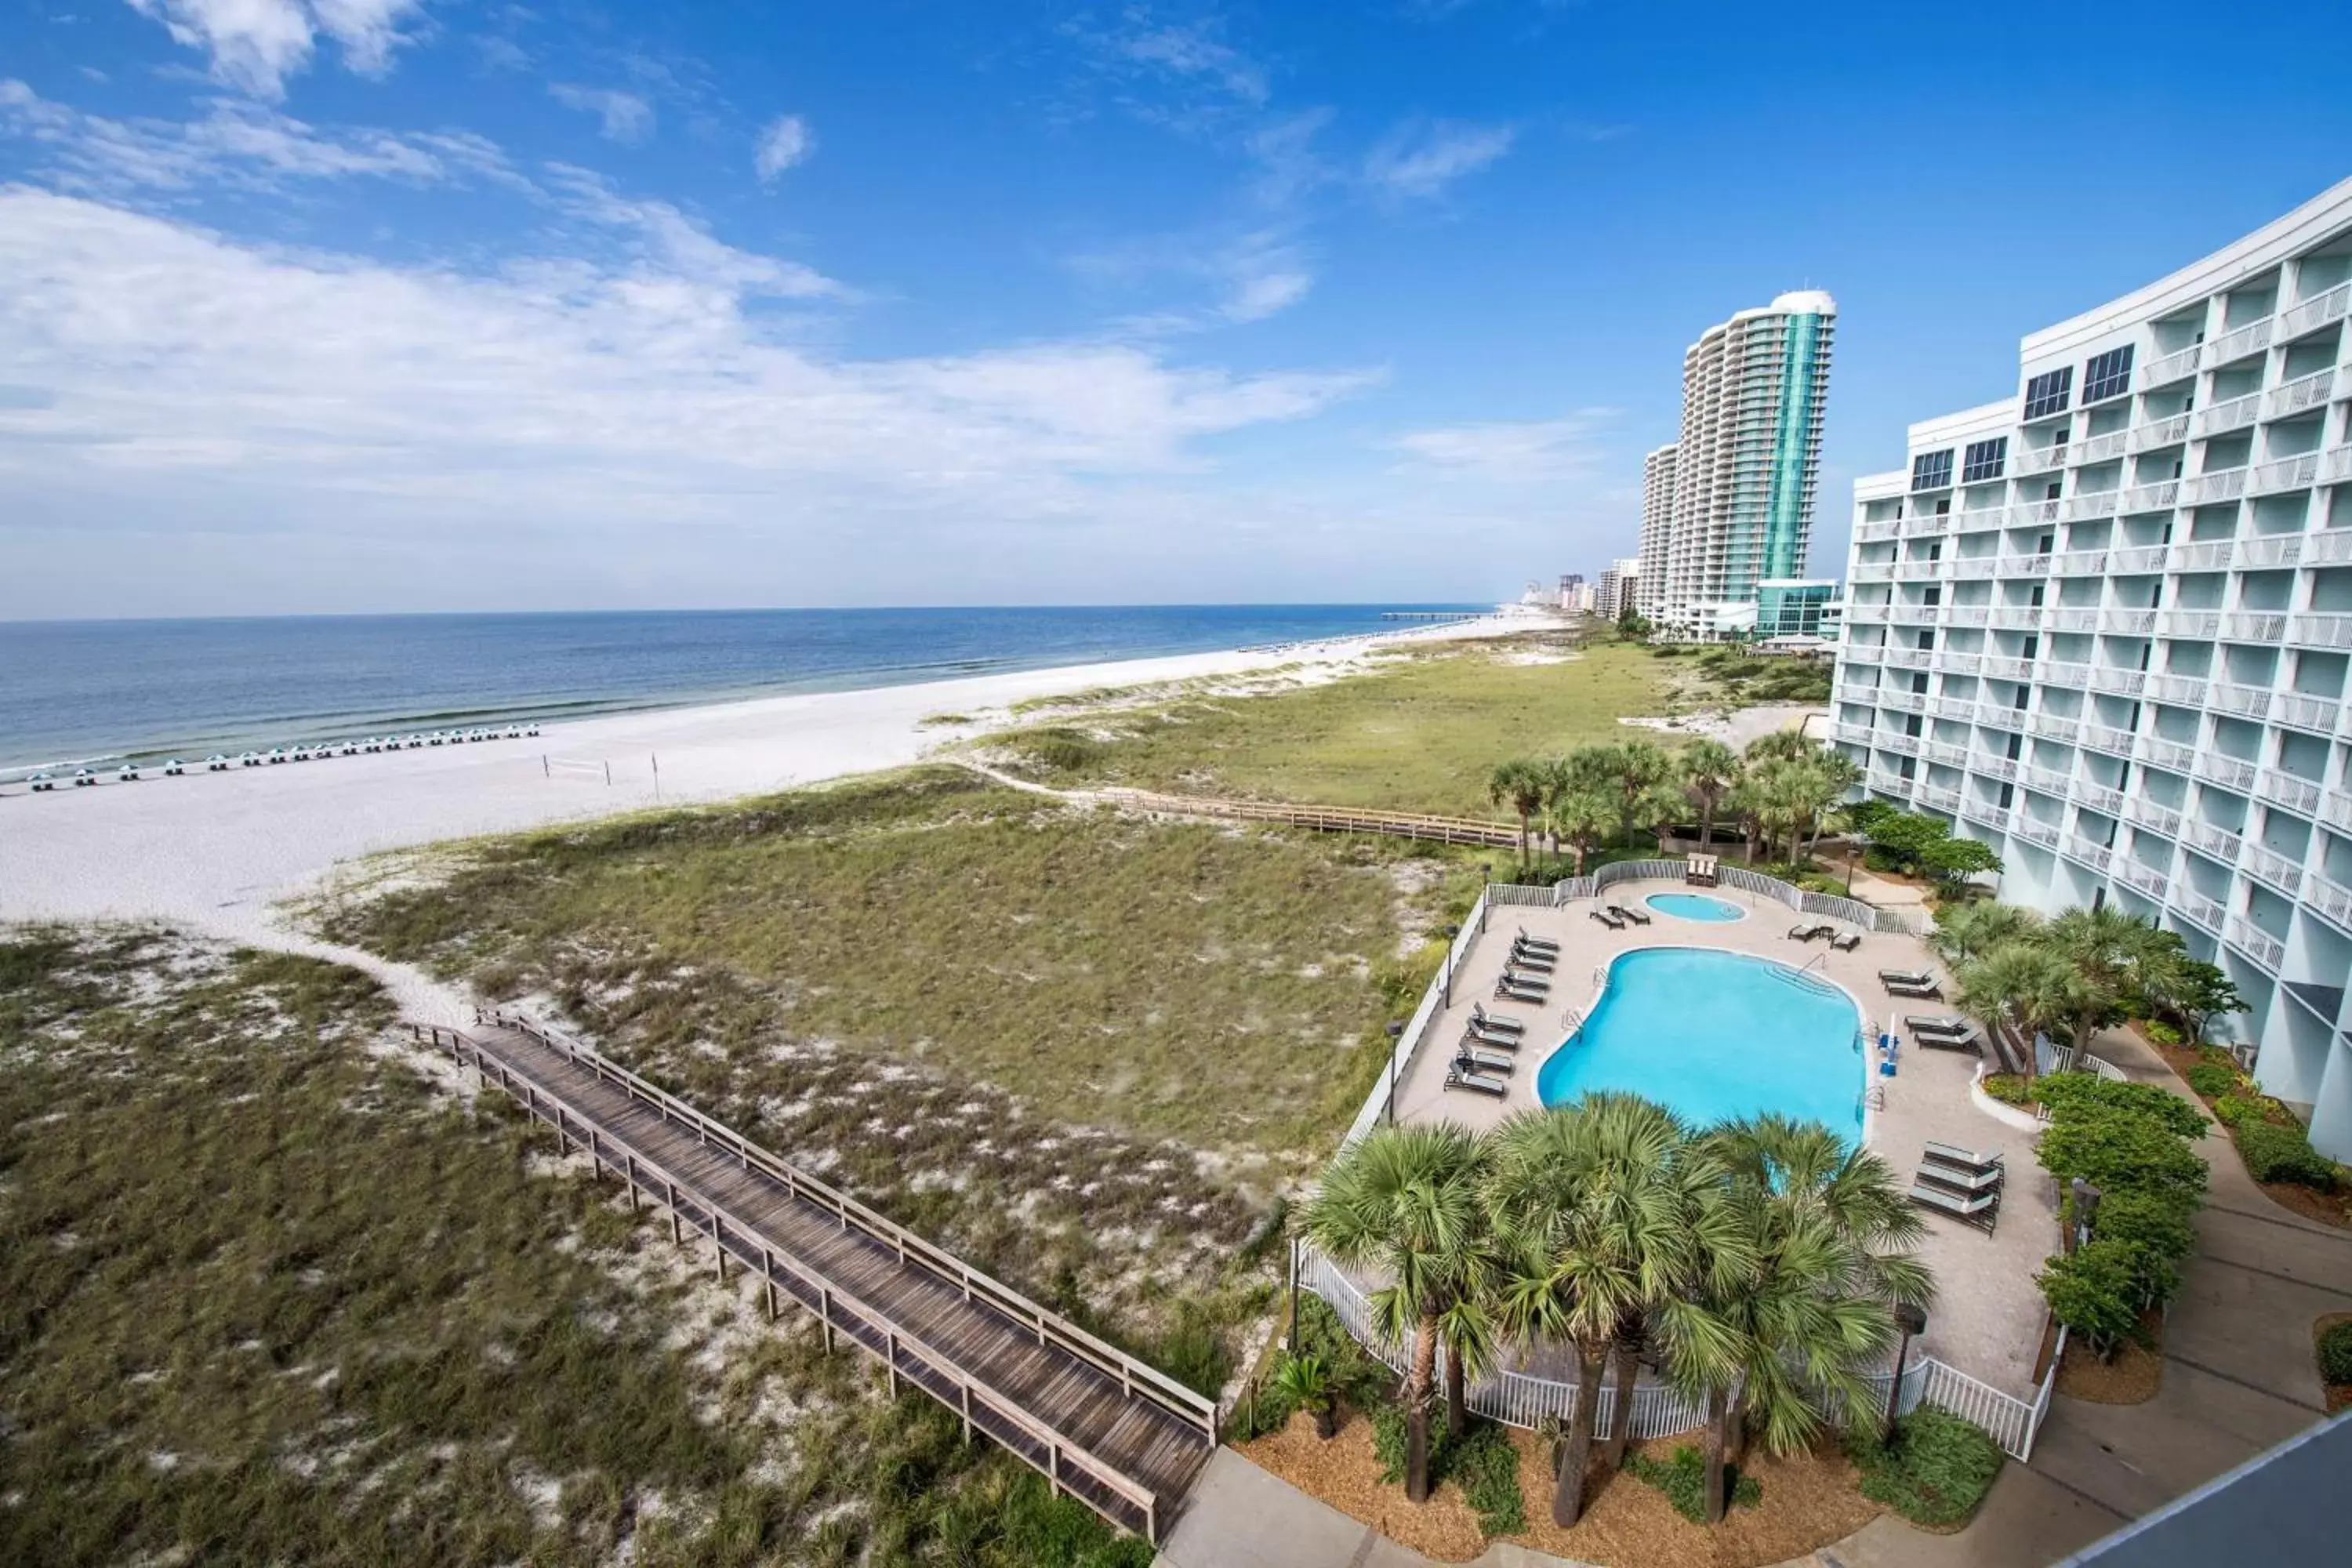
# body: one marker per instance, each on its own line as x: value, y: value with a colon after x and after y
x: 1928, y: 990
x: 1968, y: 1184
x: 1457, y: 1079
x: 1472, y: 1035
x: 1972, y: 1042
x: 1524, y: 940
x: 1622, y: 913
x: 1845, y: 942
x: 1983, y: 1210
x: 1605, y: 918
x: 1535, y: 983
x: 1961, y: 1158
x: 1807, y: 932
x: 1534, y: 963
x: 1938, y: 1023
x: 1699, y: 870
x: 1907, y: 976
x: 1506, y: 991
x: 1469, y: 1060
x: 1485, y: 1020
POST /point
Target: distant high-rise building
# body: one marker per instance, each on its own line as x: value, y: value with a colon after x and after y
x: 1619, y: 593
x: 1570, y: 585
x: 1730, y: 504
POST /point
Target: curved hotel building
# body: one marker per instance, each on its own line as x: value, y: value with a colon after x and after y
x: 2104, y: 624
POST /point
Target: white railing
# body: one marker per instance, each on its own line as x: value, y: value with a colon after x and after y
x: 2038, y: 459
x: 2099, y: 448
x: 2036, y: 832
x: 2188, y: 690
x: 2222, y: 484
x: 2061, y: 672
x: 2235, y: 414
x: 2099, y: 797
x: 1877, y: 531
x: 2245, y: 701
x: 2276, y: 870
x: 2165, y: 753
x: 2031, y: 511
x: 2048, y: 781
x: 2316, y: 311
x: 2201, y: 909
x: 2303, y: 391
x: 2204, y: 555
x: 2250, y: 338
x: 2321, y: 628
x: 2285, y: 474
x: 2218, y: 842
x: 2080, y: 848
x: 2271, y: 550
x: 1976, y: 518
x: 2332, y: 900
x: 2159, y: 497
x: 2318, y: 714
x: 1434, y: 1001
x: 1967, y: 614
x: 2170, y: 367
x: 2099, y: 503
x: 1958, y: 663
x: 1526, y: 1400
x: 2141, y: 878
x: 2191, y: 623
x: 2080, y: 562
x: 2164, y: 819
x: 2337, y: 463
x: 2136, y: 558
x: 2003, y: 668
x: 2120, y: 682
x: 2333, y: 547
x: 2256, y: 944
x: 2287, y: 790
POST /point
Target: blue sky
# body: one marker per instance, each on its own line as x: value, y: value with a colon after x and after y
x: 329, y: 305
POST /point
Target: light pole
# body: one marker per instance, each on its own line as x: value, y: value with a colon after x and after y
x: 1396, y: 1032
x: 1451, y: 933
x: 1912, y: 1321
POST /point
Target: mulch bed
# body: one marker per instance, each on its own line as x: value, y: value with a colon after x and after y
x: 2327, y: 1208
x: 1809, y: 1500
x: 2132, y: 1378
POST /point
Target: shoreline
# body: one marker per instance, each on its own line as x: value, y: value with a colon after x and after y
x: 217, y: 852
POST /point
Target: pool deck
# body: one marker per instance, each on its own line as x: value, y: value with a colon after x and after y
x: 1988, y: 1321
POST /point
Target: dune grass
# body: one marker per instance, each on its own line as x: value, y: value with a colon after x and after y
x: 1083, y: 1050
x: 1417, y: 733
x: 272, y: 1298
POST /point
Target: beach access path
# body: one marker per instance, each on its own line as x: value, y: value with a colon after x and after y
x: 216, y: 851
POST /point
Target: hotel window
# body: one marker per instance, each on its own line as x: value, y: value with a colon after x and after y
x: 2107, y: 375
x: 1932, y: 470
x: 2047, y: 394
x: 1984, y: 459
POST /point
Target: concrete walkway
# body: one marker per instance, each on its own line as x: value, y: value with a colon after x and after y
x: 1240, y: 1517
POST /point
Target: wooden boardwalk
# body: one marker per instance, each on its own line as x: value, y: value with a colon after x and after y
x: 1104, y: 1427
x: 1324, y: 818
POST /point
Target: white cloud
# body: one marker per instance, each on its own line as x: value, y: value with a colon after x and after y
x: 1189, y: 51
x: 1268, y: 294
x: 1422, y: 158
x: 1249, y: 275
x: 785, y: 143
x: 625, y: 116
x: 177, y: 380
x: 1511, y: 451
x: 255, y: 45
x: 238, y: 143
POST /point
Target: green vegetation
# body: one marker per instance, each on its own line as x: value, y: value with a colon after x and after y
x: 273, y: 1297
x: 2211, y: 1079
x: 1743, y: 676
x: 1482, y: 1461
x: 2335, y: 1350
x: 1921, y: 844
x: 1416, y: 733
x: 1761, y: 1258
x: 1684, y: 1480
x: 2083, y: 971
x: 2275, y: 1146
x: 1933, y: 1469
x: 2131, y: 1142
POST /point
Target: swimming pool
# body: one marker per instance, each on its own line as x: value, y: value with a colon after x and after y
x: 1716, y: 1036
x: 1695, y: 907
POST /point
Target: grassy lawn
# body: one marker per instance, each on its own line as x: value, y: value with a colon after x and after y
x: 1085, y: 1051
x: 273, y: 1297
x: 1417, y: 734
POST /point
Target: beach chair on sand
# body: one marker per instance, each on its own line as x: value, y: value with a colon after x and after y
x: 1488, y: 1022
x: 1699, y: 872
x: 1625, y: 912
x: 1983, y: 1210
x: 1845, y: 941
x: 1605, y: 918
x: 1961, y: 1158
x: 1476, y: 1084
x: 1536, y: 943
x: 1470, y: 1060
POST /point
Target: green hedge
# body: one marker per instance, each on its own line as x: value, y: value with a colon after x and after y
x: 2335, y: 1354
x: 1482, y: 1460
x: 2276, y: 1154
x: 2065, y: 1092
x: 2131, y: 1142
x: 1684, y: 1480
x: 2211, y: 1081
x: 1934, y: 1469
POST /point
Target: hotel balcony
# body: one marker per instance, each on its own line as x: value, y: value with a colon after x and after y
x: 2331, y: 901
x: 2068, y: 618
x: 1885, y: 783
x: 2227, y: 484
x: 1960, y: 708
x: 2303, y: 391
x: 1946, y: 753
x: 2094, y: 856
x: 1876, y: 532
x: 1907, y: 658
x: 2118, y: 682
x: 2253, y: 626
x: 2079, y: 562
x: 2336, y: 809
x: 1958, y: 663
x: 1921, y: 527
x: 2055, y: 727
x: 1901, y: 745
x: 2099, y: 448
x: 2141, y: 878
x: 1906, y: 701
x: 2316, y: 311
x: 2048, y: 781
x: 2169, y: 755
x: 1873, y: 571
x: 2181, y: 691
x: 2275, y: 870
x: 1994, y: 717
x: 2338, y: 465
x: 1940, y: 798
x: 2115, y: 743
x: 2270, y: 550
x: 2100, y: 798
x: 2251, y: 339
x: 2129, y: 623
x: 2205, y: 555
x: 1986, y: 814
x: 2198, y: 907
x: 1852, y: 735
x: 2230, y: 773
x: 2319, y: 715
x: 2239, y: 701
x: 1995, y: 767
x: 2025, y: 513
x: 1973, y: 568
x: 2234, y: 414
x: 2162, y: 496
x: 2299, y: 472
x: 2032, y: 461
x: 2286, y: 790
x: 2218, y: 842
x: 1917, y: 570
x: 2200, y: 624
x: 2004, y: 668
x: 1965, y: 614
x: 2035, y: 831
x: 2058, y: 673
x: 2169, y: 431
x: 1914, y: 614
x: 2147, y: 813
x: 2022, y: 565
x: 2167, y: 368
x: 1858, y: 614
x: 2334, y: 547
x: 2320, y: 629
x: 2016, y: 618
x: 2256, y: 944
x: 1977, y: 519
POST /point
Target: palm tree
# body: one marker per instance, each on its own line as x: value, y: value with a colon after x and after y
x: 2024, y: 986
x: 1638, y: 767
x: 1601, y: 1209
x: 1829, y: 1234
x: 1710, y: 770
x: 1582, y: 817
x: 1964, y: 932
x: 1659, y: 808
x: 1402, y: 1202
x: 1522, y: 783
x: 2114, y: 955
x: 1782, y: 745
x: 1837, y: 775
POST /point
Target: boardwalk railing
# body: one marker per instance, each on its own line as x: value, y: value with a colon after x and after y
x: 1434, y: 1001
x: 1069, y: 1465
x: 1328, y: 818
x: 1524, y: 1399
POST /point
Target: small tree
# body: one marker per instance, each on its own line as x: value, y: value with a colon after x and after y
x: 2195, y: 991
x: 1521, y: 784
x: 1302, y: 1380
x: 1581, y: 815
x: 1709, y: 771
x: 1954, y: 860
x: 2096, y: 1294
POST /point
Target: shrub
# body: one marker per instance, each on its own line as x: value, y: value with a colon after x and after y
x: 2275, y: 1153
x: 2162, y: 1033
x: 1062, y: 750
x: 2231, y: 1109
x: 2067, y: 1094
x: 2154, y: 1232
x: 1388, y: 1444
x: 2211, y: 1081
x: 2113, y: 1150
x: 1934, y: 1469
x: 2096, y: 1293
x: 2335, y: 1352
x: 1487, y: 1466
x: 1684, y: 1480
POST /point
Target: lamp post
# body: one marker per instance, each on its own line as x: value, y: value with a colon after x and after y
x: 1396, y: 1031
x: 1912, y: 1321
x: 1451, y: 933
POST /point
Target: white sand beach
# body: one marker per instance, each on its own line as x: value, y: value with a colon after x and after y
x: 216, y: 851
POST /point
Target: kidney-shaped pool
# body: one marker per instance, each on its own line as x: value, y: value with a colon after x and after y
x: 1716, y: 1035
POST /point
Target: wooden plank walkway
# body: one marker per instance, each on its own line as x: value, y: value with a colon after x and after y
x: 1325, y: 819
x: 1105, y: 1428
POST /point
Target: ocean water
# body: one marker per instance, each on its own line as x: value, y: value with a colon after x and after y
x: 92, y: 692
x: 1714, y: 1036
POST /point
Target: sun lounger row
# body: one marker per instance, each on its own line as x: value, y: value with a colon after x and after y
x: 1531, y: 958
x: 1944, y: 1032
x: 1480, y: 1072
x: 1910, y: 983
x: 1960, y: 1183
x: 1630, y: 915
x: 1843, y: 941
x: 1518, y: 986
x: 1535, y: 943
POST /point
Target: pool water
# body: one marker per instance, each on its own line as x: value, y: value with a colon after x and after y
x: 1716, y: 1036
x: 1695, y: 907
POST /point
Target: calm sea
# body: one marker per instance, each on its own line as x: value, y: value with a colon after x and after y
x: 91, y: 692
